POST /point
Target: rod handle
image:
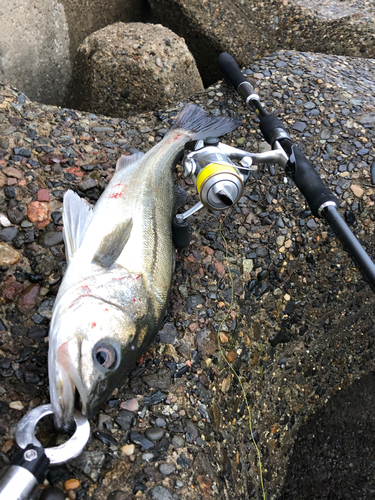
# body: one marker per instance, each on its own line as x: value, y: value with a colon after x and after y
x: 232, y: 71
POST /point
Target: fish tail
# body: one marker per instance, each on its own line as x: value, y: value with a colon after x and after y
x: 200, y: 125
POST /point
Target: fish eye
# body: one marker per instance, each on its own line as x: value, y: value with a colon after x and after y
x: 105, y: 355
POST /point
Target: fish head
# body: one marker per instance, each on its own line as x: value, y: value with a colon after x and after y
x: 93, y: 344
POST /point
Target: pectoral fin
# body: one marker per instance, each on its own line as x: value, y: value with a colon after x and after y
x: 77, y: 216
x: 113, y: 244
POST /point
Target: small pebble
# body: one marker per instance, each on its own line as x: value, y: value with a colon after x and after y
x: 128, y: 449
x: 71, y: 484
x: 178, y: 441
x: 16, y: 405
x: 231, y: 356
x: 130, y: 405
x: 166, y: 469
x: 154, y: 433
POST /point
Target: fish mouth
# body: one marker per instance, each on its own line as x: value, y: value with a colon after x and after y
x: 71, y: 394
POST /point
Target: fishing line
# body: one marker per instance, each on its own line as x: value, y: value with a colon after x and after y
x: 230, y: 364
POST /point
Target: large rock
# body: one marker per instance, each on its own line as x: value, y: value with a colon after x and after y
x: 38, y: 41
x: 127, y: 68
x: 249, y: 29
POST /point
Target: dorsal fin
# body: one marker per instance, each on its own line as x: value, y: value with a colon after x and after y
x: 124, y: 161
x: 77, y: 216
x: 113, y: 244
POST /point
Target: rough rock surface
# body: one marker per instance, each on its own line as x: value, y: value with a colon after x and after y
x: 38, y: 43
x: 301, y: 327
x: 253, y: 28
x: 128, y: 68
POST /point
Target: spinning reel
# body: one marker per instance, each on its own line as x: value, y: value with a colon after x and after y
x: 218, y: 180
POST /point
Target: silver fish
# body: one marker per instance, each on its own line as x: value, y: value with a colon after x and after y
x: 113, y: 296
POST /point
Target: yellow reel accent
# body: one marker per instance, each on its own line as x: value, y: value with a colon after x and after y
x: 212, y: 169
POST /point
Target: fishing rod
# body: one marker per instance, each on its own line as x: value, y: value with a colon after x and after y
x: 322, y: 202
x: 220, y: 182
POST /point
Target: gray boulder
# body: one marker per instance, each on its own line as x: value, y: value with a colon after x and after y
x: 251, y: 29
x: 128, y: 68
x: 38, y: 43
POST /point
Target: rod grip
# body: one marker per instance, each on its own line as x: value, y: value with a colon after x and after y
x: 231, y: 70
x: 309, y: 182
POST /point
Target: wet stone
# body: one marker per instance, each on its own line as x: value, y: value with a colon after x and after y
x: 125, y: 419
x: 37, y: 332
x: 191, y: 431
x: 89, y: 463
x: 154, y: 399
x: 279, y: 338
x: 299, y: 126
x: 178, y: 442
x: 53, y: 493
x: 140, y: 440
x: 50, y: 238
x: 160, y: 422
x: 311, y: 224
x: 166, y: 469
x: 56, y: 217
x: 8, y: 255
x: 373, y: 173
x: 167, y: 334
x: 262, y: 252
x: 194, y: 300
x: 15, y: 216
x: 159, y: 380
x: 87, y: 184
x: 154, y: 433
x: 105, y: 438
x: 8, y: 234
x: 183, y: 461
x: 349, y: 217
x: 161, y: 493
x: 263, y: 275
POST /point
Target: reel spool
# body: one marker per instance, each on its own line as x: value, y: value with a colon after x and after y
x: 218, y: 182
